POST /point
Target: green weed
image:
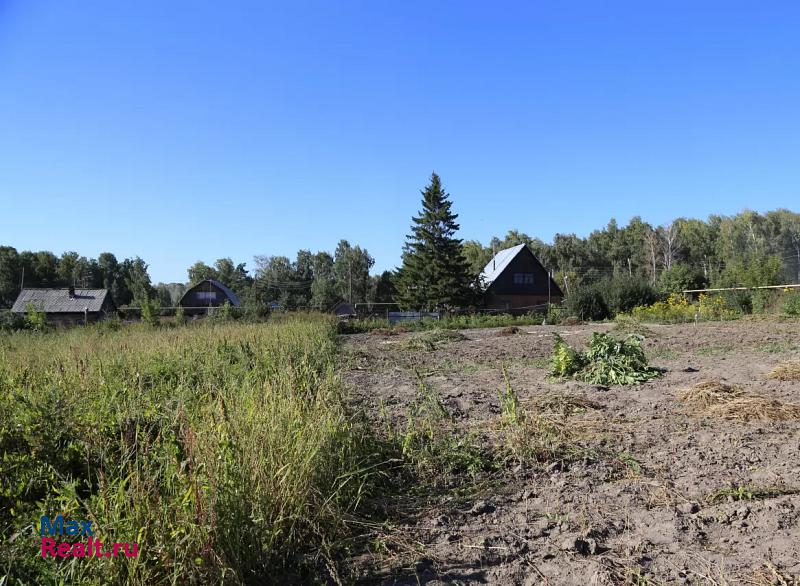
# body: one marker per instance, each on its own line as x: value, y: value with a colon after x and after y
x: 607, y: 360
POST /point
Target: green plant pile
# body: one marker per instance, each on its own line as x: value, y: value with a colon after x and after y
x: 607, y: 361
x: 225, y: 451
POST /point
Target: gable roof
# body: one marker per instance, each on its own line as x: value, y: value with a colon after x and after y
x: 59, y: 300
x: 224, y: 288
x: 498, y: 264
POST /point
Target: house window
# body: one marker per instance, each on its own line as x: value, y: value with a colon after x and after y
x: 206, y: 295
x: 523, y: 278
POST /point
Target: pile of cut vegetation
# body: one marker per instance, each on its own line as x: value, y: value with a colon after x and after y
x: 787, y: 371
x: 431, y: 339
x: 627, y: 325
x: 707, y: 393
x: 607, y: 361
x: 718, y: 399
x: 509, y: 331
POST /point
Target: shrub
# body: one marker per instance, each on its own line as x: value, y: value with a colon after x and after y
x: 150, y: 309
x: 763, y: 300
x: 587, y: 303
x: 678, y: 278
x: 34, y: 319
x: 791, y: 303
x: 622, y: 294
x: 677, y: 309
x: 11, y: 321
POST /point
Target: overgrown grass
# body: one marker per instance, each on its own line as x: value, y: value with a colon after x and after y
x: 434, y: 446
x: 224, y: 451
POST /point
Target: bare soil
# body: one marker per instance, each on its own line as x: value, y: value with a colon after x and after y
x: 699, y: 500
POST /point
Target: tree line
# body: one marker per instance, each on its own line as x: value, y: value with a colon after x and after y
x: 440, y: 271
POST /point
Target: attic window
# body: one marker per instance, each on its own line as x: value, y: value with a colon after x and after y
x: 523, y: 278
x: 207, y: 295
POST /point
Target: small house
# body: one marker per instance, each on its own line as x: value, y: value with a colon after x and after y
x: 67, y: 306
x: 201, y: 298
x: 344, y: 310
x: 516, y: 281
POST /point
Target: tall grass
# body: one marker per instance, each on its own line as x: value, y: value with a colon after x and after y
x: 224, y: 450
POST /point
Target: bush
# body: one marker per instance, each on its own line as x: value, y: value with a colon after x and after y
x: 791, y: 303
x: 622, y: 294
x: 587, y: 303
x: 677, y: 309
x: 11, y: 321
x: 34, y: 319
x: 150, y: 310
x: 678, y: 278
x: 763, y: 300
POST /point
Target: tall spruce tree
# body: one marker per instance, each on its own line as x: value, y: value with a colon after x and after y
x: 435, y: 274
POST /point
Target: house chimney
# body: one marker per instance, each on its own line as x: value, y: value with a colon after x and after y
x: 71, y: 292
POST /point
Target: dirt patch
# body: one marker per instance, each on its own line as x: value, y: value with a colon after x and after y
x: 619, y: 490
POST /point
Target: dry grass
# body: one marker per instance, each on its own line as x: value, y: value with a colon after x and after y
x: 509, y: 331
x: 787, y: 371
x: 755, y: 409
x: 770, y: 575
x: 717, y: 399
x: 708, y: 393
x: 564, y: 404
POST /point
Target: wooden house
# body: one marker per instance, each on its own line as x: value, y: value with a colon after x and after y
x: 516, y: 281
x: 67, y: 306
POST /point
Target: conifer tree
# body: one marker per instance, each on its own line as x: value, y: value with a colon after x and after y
x: 435, y: 274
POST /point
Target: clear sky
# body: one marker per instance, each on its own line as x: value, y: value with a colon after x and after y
x: 190, y: 130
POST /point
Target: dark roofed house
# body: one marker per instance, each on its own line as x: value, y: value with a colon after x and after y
x: 67, y: 306
x: 516, y: 280
x: 344, y: 310
x: 202, y: 297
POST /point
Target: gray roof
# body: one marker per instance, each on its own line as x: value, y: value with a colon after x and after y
x: 225, y: 289
x: 499, y: 263
x: 59, y: 301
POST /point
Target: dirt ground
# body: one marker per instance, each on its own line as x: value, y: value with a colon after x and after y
x: 654, y: 519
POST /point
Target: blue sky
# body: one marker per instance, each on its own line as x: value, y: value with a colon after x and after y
x: 189, y: 130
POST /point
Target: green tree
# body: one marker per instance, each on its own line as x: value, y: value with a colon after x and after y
x: 384, y: 288
x: 477, y: 256
x: 324, y: 292
x: 137, y: 280
x: 434, y: 273
x: 351, y: 265
x: 10, y: 275
x: 200, y: 271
